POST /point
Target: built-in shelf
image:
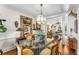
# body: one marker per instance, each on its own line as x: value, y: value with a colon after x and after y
x: 26, y: 25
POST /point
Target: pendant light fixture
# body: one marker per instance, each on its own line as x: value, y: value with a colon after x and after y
x: 41, y: 18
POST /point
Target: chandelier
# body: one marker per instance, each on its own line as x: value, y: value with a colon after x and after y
x: 41, y: 18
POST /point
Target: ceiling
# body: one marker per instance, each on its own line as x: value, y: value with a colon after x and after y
x: 48, y: 9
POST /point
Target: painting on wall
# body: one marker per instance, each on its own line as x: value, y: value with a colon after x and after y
x: 27, y: 21
x: 27, y: 29
x: 2, y: 27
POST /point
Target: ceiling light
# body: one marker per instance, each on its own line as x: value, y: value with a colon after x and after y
x: 41, y: 18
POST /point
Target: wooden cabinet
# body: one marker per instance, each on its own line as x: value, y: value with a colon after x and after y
x: 26, y: 25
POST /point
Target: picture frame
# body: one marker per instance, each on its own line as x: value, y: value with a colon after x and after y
x: 27, y: 20
x: 27, y: 29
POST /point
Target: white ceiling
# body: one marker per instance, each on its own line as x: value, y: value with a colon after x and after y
x: 35, y: 9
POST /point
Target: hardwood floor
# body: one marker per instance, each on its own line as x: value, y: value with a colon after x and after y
x: 12, y: 52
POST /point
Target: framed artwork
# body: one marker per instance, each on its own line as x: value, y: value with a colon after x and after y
x: 27, y: 29
x: 2, y: 27
x: 27, y: 20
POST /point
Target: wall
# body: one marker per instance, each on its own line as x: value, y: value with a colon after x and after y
x: 70, y: 24
x: 54, y: 20
x: 78, y: 30
x: 7, y: 39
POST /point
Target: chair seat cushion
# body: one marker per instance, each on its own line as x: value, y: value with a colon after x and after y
x: 27, y: 52
x: 46, y: 51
